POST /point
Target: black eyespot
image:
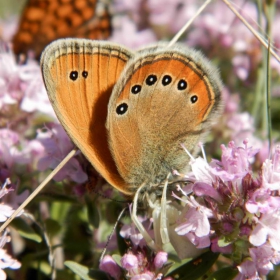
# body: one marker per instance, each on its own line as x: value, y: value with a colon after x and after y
x: 194, y: 98
x: 73, y: 75
x: 85, y: 74
x: 121, y: 109
x: 166, y: 80
x: 151, y: 79
x: 182, y: 85
x: 136, y: 89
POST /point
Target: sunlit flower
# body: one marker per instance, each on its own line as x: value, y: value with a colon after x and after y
x: 239, y: 208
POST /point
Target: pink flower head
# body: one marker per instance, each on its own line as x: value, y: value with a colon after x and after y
x: 57, y: 145
x: 160, y: 259
x: 260, y: 263
x: 267, y: 229
x: 108, y: 265
x: 235, y: 162
x: 139, y: 264
x: 130, y: 232
x: 22, y: 84
x: 195, y: 220
x: 271, y: 171
x: 262, y: 201
x: 130, y: 263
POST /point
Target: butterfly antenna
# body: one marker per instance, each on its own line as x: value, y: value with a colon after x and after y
x: 38, y: 189
x: 93, y: 189
x: 190, y: 21
x: 111, y: 234
x: 112, y: 199
x: 255, y: 33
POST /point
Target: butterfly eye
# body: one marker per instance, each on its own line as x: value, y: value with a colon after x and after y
x: 166, y: 80
x: 136, y: 89
x: 182, y: 85
x: 74, y: 75
x: 121, y: 109
x: 194, y: 98
x: 85, y: 74
x: 151, y: 79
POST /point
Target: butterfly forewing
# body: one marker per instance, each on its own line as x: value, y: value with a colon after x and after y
x: 79, y: 76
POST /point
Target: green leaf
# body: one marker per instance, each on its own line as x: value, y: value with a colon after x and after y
x: 85, y: 273
x: 93, y: 213
x: 227, y: 273
x: 117, y: 259
x: 195, y: 268
x: 223, y: 242
x: 78, y: 269
x: 52, y: 227
x: 25, y: 230
x: 59, y: 211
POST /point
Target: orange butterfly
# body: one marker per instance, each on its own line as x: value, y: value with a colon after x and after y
x: 44, y: 21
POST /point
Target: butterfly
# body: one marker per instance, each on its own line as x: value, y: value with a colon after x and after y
x: 43, y: 21
x: 131, y: 112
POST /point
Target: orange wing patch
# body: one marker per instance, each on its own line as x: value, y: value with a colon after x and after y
x: 44, y: 21
x: 79, y: 76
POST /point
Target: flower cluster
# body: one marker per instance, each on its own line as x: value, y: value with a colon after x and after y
x: 135, y: 265
x: 234, y: 213
x: 229, y: 210
x: 6, y: 261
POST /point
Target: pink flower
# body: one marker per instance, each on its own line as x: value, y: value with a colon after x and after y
x: 139, y: 264
x: 235, y: 162
x: 271, y: 171
x: 144, y: 276
x: 267, y: 229
x: 241, y: 65
x: 260, y: 263
x: 22, y: 84
x: 128, y: 34
x: 14, y: 151
x: 5, y: 212
x: 129, y: 262
x: 108, y: 265
x: 162, y: 13
x: 6, y: 261
x: 262, y: 201
x: 160, y: 259
x: 130, y: 231
x: 195, y: 220
x: 57, y: 145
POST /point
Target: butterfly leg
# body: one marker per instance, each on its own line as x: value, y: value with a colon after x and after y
x: 163, y: 217
x: 138, y: 224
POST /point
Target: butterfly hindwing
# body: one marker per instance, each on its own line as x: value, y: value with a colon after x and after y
x: 79, y: 75
x: 167, y: 96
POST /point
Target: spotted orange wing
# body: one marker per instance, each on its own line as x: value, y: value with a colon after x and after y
x: 79, y: 75
x: 44, y: 21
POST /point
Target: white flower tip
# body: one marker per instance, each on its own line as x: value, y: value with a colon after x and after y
x: 186, y: 150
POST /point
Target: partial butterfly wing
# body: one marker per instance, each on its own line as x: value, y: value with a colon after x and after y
x: 79, y: 75
x: 44, y: 21
x: 166, y: 97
